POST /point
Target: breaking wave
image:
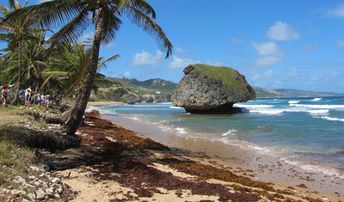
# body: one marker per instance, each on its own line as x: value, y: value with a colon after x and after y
x: 316, y: 99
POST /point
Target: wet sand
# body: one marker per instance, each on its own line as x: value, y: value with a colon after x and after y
x: 244, y: 161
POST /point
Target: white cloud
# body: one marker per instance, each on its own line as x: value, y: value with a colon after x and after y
x: 340, y: 44
x: 281, y: 31
x: 145, y: 58
x: 337, y: 11
x: 263, y: 75
x: 178, y: 62
x: 266, y: 49
x: 269, y: 53
x: 267, y: 61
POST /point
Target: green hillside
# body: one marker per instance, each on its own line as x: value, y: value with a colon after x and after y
x: 152, y: 86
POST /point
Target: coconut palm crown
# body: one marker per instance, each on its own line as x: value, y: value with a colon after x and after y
x: 75, y: 16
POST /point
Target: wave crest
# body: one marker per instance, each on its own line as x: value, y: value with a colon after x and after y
x: 316, y: 99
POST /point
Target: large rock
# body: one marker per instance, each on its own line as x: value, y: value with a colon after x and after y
x: 210, y: 89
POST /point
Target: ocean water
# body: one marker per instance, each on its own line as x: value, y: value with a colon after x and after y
x: 305, y: 131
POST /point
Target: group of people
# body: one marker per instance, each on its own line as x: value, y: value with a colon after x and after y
x: 38, y: 98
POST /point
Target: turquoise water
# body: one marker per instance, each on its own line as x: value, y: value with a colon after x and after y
x: 305, y: 129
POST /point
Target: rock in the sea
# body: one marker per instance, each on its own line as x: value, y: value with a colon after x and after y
x: 210, y: 89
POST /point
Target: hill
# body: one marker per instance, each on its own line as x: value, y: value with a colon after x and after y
x: 301, y: 93
x: 147, y: 85
x: 159, y: 90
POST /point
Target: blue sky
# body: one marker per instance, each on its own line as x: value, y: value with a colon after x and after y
x: 275, y: 44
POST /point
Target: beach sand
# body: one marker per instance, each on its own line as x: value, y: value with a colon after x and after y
x: 117, y: 164
x: 257, y: 165
x: 105, y: 103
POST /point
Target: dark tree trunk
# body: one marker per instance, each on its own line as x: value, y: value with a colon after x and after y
x: 75, y: 115
x: 16, y: 95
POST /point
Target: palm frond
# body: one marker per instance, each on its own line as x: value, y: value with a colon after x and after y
x: 111, y: 25
x: 14, y: 4
x: 4, y: 10
x: 150, y: 26
x: 50, y: 13
x: 143, y: 6
x: 102, y: 63
x: 72, y: 31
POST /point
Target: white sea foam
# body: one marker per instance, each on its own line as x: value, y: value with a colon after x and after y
x: 314, y: 168
x: 316, y: 99
x: 318, y: 112
x: 278, y: 152
x: 251, y: 146
x: 101, y: 110
x: 181, y: 130
x: 318, y: 106
x: 293, y: 101
x: 332, y: 118
x: 135, y: 118
x: 90, y: 108
x: 253, y: 106
x: 268, y: 111
x: 174, y: 107
x: 231, y: 132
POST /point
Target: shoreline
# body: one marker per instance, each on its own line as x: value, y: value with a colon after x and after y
x: 105, y: 103
x: 112, y: 163
x: 262, y: 167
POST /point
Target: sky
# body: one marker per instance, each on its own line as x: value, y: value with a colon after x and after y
x: 275, y: 44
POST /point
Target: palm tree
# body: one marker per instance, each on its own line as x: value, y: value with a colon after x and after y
x: 31, y: 56
x: 15, y: 33
x: 66, y: 71
x: 105, y: 15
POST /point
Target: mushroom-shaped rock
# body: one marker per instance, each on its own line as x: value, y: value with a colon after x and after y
x: 211, y: 89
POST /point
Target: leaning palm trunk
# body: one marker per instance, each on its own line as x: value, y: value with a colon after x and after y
x: 106, y: 16
x: 75, y: 115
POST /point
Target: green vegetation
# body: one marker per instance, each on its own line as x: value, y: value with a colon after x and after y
x: 147, y: 86
x: 14, y: 161
x: 230, y: 77
x: 59, y: 65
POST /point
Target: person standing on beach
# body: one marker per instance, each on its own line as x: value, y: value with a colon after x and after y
x: 47, y: 101
x: 4, y: 94
x: 28, y: 96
